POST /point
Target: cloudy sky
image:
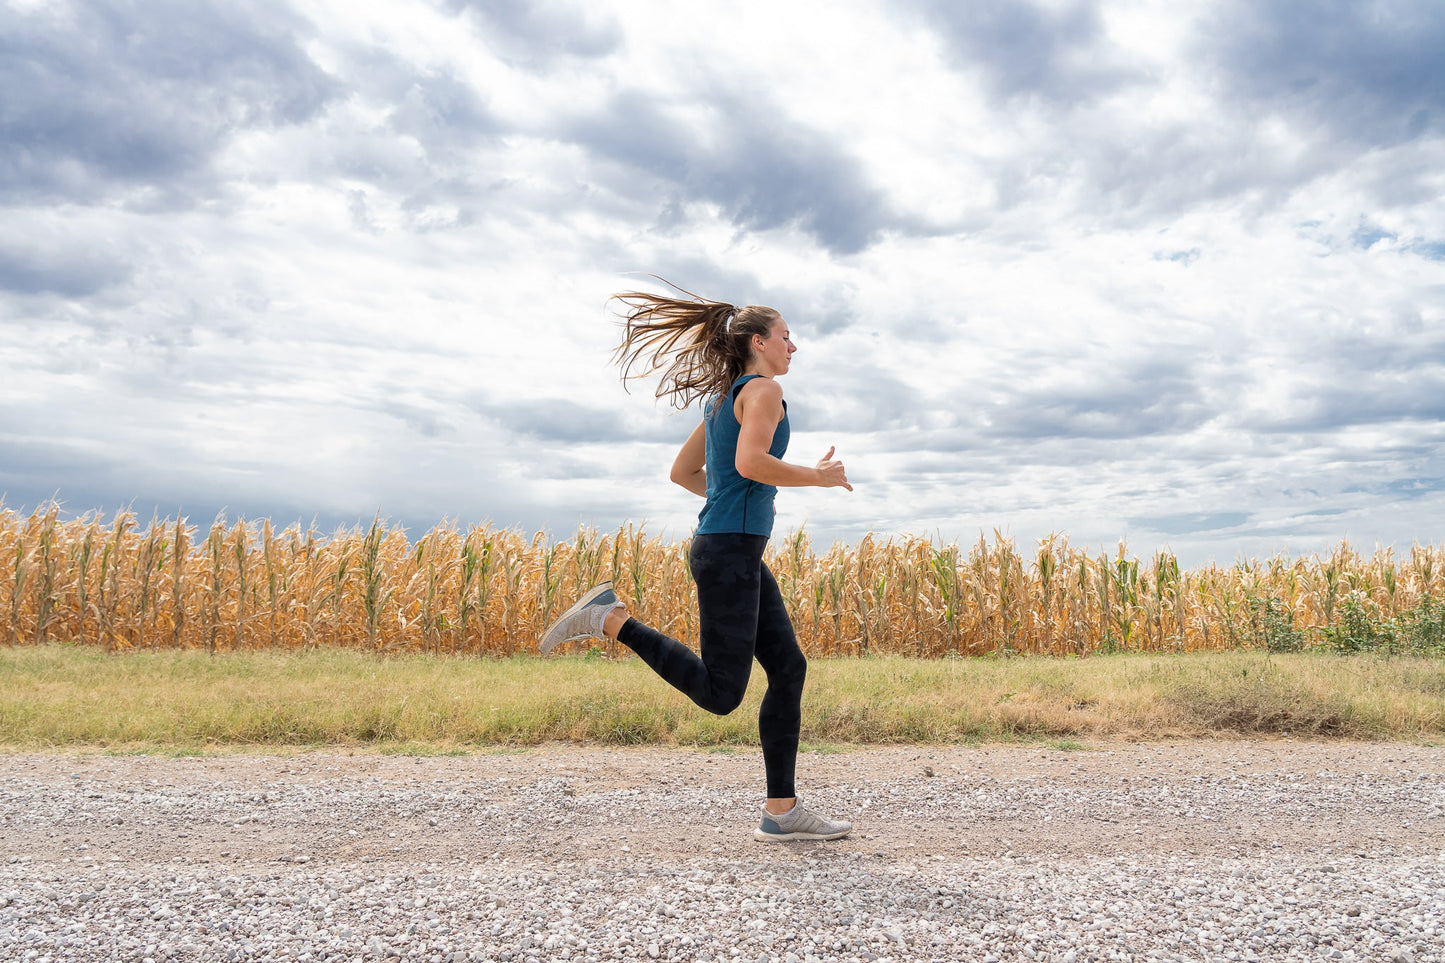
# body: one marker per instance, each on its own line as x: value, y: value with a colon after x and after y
x: 1166, y: 272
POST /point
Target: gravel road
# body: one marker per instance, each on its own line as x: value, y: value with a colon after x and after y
x: 1193, y: 851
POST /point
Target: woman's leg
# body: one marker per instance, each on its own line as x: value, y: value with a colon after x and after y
x: 778, y: 724
x: 728, y: 572
x: 781, y: 715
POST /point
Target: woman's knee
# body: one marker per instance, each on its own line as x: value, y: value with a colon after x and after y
x: 789, y: 671
x: 722, y: 702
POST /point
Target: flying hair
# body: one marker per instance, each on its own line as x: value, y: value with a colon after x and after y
x: 700, y: 346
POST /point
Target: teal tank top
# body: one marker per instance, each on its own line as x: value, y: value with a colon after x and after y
x: 734, y: 503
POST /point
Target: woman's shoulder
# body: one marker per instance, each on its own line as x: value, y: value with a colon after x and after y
x: 758, y: 386
x: 760, y: 395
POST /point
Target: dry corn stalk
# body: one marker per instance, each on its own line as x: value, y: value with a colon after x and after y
x: 486, y: 591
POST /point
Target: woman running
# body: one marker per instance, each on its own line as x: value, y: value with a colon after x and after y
x: 728, y: 357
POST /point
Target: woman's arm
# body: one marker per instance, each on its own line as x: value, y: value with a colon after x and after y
x: 761, y: 401
x: 689, y: 469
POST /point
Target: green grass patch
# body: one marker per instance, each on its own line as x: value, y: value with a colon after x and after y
x: 67, y: 697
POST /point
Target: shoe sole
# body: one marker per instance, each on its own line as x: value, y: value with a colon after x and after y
x: 761, y: 836
x: 578, y: 606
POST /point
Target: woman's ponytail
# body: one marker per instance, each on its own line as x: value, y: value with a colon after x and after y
x: 700, y: 346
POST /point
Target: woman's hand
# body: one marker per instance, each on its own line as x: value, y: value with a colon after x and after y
x: 831, y: 473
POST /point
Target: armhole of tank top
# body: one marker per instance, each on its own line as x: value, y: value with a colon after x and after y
x: 733, y: 395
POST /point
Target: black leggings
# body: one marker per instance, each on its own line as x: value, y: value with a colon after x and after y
x: 742, y: 616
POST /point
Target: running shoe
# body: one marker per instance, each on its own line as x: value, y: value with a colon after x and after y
x: 800, y: 823
x: 583, y: 620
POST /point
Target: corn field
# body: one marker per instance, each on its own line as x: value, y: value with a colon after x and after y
x: 124, y: 586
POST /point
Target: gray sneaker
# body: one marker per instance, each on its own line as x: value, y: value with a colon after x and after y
x: 800, y: 823
x: 583, y: 620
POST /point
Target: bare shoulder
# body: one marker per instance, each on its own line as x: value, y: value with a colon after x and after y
x: 761, y: 389
x: 759, y: 398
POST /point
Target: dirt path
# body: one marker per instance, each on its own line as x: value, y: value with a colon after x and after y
x: 1200, y: 798
x: 1338, y: 825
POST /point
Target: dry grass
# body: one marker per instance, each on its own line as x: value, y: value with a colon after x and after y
x: 242, y: 585
x: 74, y: 697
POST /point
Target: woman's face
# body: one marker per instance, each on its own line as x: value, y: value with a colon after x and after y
x: 775, y: 352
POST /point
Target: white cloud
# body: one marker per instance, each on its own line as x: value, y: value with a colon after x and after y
x: 1095, y: 268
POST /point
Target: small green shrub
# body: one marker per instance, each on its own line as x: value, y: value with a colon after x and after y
x: 1357, y: 627
x: 1271, y: 625
x: 1422, y: 629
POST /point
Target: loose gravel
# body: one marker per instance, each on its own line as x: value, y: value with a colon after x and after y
x: 1196, y: 851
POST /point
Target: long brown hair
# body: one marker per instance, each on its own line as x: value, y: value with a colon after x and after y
x: 700, y: 346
